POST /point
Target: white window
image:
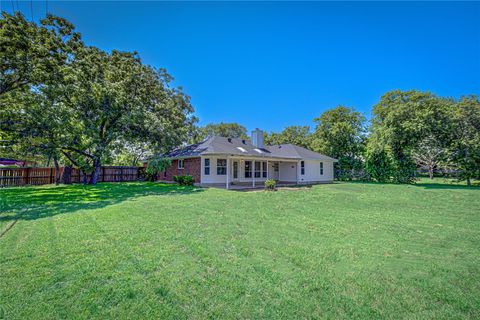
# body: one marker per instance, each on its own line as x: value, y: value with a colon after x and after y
x: 248, y: 169
x: 180, y: 164
x: 221, y: 167
x: 302, y: 167
x: 206, y: 169
x: 321, y: 168
x: 260, y: 169
x: 241, y: 149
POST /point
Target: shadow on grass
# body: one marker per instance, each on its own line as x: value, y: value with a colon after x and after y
x: 445, y: 185
x: 440, y: 186
x: 30, y: 203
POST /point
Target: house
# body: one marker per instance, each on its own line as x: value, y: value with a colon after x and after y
x: 6, y: 162
x: 226, y: 162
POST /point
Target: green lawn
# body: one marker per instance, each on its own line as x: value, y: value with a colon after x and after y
x: 145, y: 250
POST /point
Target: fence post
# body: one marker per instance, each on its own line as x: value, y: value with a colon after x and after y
x: 27, y: 176
x: 103, y: 174
x: 121, y: 174
x: 51, y: 175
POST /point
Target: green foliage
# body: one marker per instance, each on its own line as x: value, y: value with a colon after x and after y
x: 465, y: 148
x: 348, y: 169
x: 402, y: 120
x: 185, y: 180
x: 93, y: 101
x: 156, y: 165
x: 340, y: 132
x: 297, y: 135
x: 229, y: 130
x: 270, y: 185
x: 378, y: 164
x: 31, y: 54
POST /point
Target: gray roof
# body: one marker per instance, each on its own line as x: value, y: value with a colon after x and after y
x: 233, y: 146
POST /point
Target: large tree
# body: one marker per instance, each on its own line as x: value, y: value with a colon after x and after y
x: 401, y: 122
x: 340, y: 133
x: 298, y: 135
x: 115, y: 97
x: 92, y: 101
x: 465, y: 146
x: 33, y: 60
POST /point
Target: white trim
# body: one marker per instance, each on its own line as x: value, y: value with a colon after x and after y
x: 253, y: 173
x: 228, y: 173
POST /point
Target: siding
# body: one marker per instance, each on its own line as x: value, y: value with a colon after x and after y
x: 312, y: 171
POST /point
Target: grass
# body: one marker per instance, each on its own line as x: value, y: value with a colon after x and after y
x: 145, y: 250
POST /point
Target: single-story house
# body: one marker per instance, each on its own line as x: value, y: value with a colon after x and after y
x: 223, y: 162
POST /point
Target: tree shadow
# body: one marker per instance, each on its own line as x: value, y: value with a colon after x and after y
x: 445, y: 186
x: 422, y: 184
x: 31, y: 203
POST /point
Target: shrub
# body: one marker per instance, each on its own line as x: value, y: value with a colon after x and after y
x: 186, y: 180
x: 155, y: 166
x: 270, y: 185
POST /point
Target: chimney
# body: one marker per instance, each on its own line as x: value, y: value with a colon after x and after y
x: 257, y: 138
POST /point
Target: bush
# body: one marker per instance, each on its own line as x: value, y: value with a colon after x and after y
x: 184, y: 180
x: 155, y: 166
x: 270, y: 185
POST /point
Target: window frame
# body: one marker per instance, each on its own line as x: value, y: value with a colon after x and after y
x: 206, y: 168
x: 248, y: 169
x: 264, y: 169
x: 302, y: 167
x: 221, y: 169
x: 178, y: 164
x: 235, y: 169
x: 321, y: 168
x: 259, y: 171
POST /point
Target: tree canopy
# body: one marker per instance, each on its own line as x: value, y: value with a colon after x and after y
x: 93, y: 101
x: 231, y: 130
x: 298, y: 135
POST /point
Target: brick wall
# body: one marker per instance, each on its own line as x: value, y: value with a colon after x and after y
x: 191, y: 166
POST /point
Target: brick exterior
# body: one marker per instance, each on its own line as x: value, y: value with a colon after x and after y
x: 191, y: 166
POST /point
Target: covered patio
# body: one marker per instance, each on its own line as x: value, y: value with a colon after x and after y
x: 249, y: 172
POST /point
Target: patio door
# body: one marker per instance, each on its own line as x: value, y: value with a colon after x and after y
x: 235, y: 170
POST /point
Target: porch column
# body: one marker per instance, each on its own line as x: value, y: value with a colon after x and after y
x: 253, y: 173
x: 228, y: 173
x: 267, y: 171
x: 299, y: 168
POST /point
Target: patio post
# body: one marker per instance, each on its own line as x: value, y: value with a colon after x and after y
x: 267, y: 169
x: 228, y: 173
x: 253, y: 173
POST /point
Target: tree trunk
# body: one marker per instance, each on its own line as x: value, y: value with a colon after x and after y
x: 469, y: 182
x: 67, y: 175
x: 84, y: 176
x: 57, y: 170
x: 96, y: 171
x: 430, y: 173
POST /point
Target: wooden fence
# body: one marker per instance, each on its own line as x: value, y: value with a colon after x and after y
x: 38, y: 176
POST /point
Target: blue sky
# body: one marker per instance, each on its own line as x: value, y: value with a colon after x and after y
x: 274, y: 64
